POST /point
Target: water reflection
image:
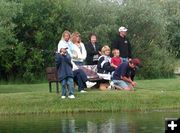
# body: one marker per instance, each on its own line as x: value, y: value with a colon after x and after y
x: 86, y: 123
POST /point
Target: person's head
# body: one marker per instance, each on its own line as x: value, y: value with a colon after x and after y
x: 76, y: 37
x: 105, y: 50
x: 63, y: 48
x: 116, y: 53
x: 134, y: 63
x: 66, y: 35
x: 93, y: 38
x: 122, y: 31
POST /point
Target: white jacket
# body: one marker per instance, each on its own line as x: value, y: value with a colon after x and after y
x: 77, y: 55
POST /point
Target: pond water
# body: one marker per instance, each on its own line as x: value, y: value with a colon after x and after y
x: 151, y: 122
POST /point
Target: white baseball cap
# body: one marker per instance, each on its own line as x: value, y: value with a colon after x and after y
x: 122, y: 28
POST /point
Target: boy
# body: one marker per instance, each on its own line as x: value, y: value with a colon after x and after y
x: 65, y: 73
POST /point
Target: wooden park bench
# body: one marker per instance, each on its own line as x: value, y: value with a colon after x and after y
x: 52, y: 76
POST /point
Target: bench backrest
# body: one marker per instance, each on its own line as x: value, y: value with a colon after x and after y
x: 51, y: 73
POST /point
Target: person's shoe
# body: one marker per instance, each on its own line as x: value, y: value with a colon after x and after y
x: 90, y: 84
x: 71, y: 96
x: 83, y: 91
x: 112, y: 83
x: 63, y: 97
x: 111, y: 86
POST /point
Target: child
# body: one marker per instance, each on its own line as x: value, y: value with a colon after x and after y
x: 116, y: 60
x: 65, y: 73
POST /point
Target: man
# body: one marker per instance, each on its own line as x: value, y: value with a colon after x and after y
x: 122, y: 75
x: 123, y: 44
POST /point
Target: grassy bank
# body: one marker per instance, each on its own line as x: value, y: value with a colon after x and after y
x: 161, y: 94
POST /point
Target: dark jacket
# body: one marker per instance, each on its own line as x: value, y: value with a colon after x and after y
x: 104, y: 65
x: 124, y: 47
x: 123, y: 70
x: 64, y: 66
x: 91, y: 52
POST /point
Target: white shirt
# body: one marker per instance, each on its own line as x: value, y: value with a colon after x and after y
x: 79, y: 53
x: 69, y: 46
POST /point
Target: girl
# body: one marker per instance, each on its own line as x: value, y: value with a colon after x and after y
x: 65, y: 40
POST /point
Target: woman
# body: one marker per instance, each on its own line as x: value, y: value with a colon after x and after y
x: 93, y: 50
x: 65, y: 40
x: 104, y: 63
x: 79, y: 52
x: 104, y: 67
x: 79, y: 76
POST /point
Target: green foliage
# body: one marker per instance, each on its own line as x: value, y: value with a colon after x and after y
x: 173, y: 26
x: 92, y: 16
x: 30, y: 31
x: 147, y: 30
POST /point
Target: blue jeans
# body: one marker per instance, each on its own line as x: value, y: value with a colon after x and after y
x: 80, y: 78
x: 78, y: 63
x: 124, y: 59
x: 121, y: 83
x: 67, y: 83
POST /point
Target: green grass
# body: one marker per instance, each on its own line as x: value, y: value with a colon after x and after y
x: 150, y: 95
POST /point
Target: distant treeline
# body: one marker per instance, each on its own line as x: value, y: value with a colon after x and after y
x: 30, y: 31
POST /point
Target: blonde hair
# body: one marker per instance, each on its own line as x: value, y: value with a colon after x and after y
x: 105, y: 48
x: 74, y: 35
x: 65, y: 32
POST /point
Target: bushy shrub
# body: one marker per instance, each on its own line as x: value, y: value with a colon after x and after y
x: 148, y: 35
x: 30, y: 31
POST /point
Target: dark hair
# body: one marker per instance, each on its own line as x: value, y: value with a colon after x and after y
x: 92, y: 34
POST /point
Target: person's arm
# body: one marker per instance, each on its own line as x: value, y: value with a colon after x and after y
x: 59, y: 46
x: 112, y: 63
x: 84, y: 52
x: 77, y: 53
x: 89, y: 50
x: 107, y: 67
x: 67, y: 59
x: 70, y: 49
x: 124, y: 78
x: 58, y: 59
x: 99, y: 65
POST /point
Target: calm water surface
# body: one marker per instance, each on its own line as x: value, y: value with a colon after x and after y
x: 151, y: 122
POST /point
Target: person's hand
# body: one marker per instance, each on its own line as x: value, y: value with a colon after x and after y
x: 133, y: 84
x: 75, y: 55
